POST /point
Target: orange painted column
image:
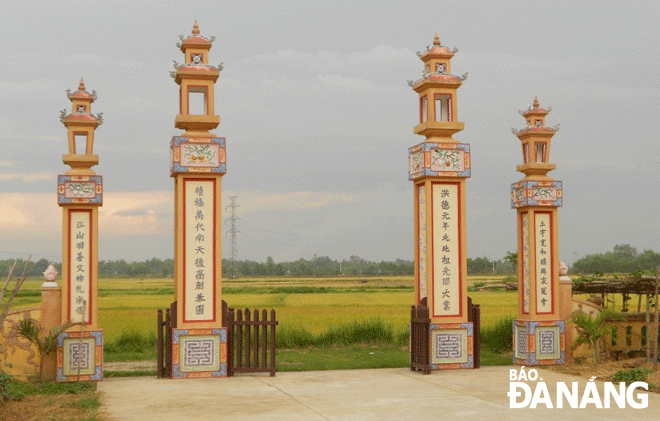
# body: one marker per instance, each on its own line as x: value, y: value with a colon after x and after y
x: 438, y: 168
x: 79, y: 194
x: 539, y: 333
x: 198, y: 163
x: 51, y: 316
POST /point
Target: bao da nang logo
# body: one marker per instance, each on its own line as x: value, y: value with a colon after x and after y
x: 526, y: 395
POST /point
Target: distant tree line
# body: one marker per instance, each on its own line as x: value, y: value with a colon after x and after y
x: 317, y: 266
x: 623, y: 259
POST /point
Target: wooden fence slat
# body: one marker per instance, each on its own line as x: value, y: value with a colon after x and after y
x: 230, y: 341
x: 264, y: 343
x: 248, y: 330
x: 160, y: 371
x: 476, y: 340
x: 168, y: 342
x: 239, y: 340
x: 272, y: 343
x: 256, y: 339
x: 419, y: 339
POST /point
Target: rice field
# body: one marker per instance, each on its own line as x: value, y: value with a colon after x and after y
x: 127, y: 308
x: 130, y: 304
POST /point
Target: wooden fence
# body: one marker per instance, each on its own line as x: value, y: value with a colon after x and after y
x: 250, y: 341
x: 420, y: 342
x: 164, y: 350
x: 420, y: 352
x: 474, y: 316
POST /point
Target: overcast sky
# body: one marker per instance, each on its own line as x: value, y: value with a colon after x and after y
x: 318, y: 118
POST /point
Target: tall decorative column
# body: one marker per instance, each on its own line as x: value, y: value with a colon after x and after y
x: 438, y: 168
x: 198, y: 163
x: 539, y: 332
x: 79, y: 194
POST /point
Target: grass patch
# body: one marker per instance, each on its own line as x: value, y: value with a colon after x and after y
x: 150, y: 354
x: 49, y: 401
x: 357, y: 332
x: 498, y: 337
x: 638, y: 374
x: 132, y: 342
x: 134, y: 373
x: 339, y: 357
x: 88, y: 402
x: 490, y: 358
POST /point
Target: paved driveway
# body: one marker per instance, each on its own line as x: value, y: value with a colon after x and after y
x: 385, y: 394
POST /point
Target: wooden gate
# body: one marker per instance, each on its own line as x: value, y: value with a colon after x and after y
x: 420, y: 343
x: 250, y: 341
x: 474, y: 316
x: 420, y: 354
x: 165, y: 326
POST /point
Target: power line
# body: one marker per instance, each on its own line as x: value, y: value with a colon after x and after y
x: 232, y: 234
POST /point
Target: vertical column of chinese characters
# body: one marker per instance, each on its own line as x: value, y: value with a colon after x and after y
x: 446, y: 248
x: 525, y: 262
x: 422, y: 242
x: 543, y: 248
x: 200, y: 299
x: 79, y: 266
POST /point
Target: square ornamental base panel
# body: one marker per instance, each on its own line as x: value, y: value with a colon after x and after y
x: 199, y: 353
x: 451, y: 346
x: 80, y: 358
x: 539, y: 343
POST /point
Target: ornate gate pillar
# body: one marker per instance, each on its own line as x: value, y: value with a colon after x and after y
x: 438, y: 168
x: 198, y: 163
x: 539, y: 334
x: 79, y: 194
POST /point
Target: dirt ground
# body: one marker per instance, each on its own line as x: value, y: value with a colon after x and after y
x: 605, y: 370
x: 148, y: 365
x: 52, y: 407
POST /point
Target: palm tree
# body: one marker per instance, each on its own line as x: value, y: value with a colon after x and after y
x: 591, y: 330
x: 46, y: 344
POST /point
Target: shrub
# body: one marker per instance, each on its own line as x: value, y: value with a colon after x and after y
x: 364, y: 331
x: 356, y: 332
x: 498, y: 337
x: 293, y: 337
x: 132, y: 341
x: 633, y: 375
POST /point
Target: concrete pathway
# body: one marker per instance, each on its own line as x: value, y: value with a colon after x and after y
x: 385, y: 394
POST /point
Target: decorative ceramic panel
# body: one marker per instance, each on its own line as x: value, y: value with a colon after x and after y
x: 545, y: 342
x: 446, y: 250
x: 199, y: 234
x: 520, y: 338
x: 525, y: 262
x: 451, y: 345
x: 77, y: 189
x: 439, y: 160
x: 198, y: 155
x: 199, y: 353
x: 80, y: 270
x: 80, y: 358
x: 543, y: 260
x: 536, y: 193
x: 421, y: 197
